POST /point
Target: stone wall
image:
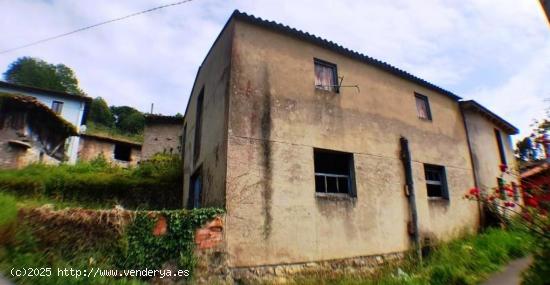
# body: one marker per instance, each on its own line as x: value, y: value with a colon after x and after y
x: 161, y: 138
x: 91, y: 147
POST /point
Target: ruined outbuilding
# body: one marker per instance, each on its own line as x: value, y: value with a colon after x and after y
x: 30, y: 132
x: 162, y: 134
x: 323, y: 156
x: 116, y: 151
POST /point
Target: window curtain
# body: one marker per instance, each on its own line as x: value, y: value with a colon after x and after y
x: 324, y: 77
x: 422, y: 108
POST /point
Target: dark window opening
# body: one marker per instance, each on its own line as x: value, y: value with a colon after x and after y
x: 183, y: 139
x: 195, y: 190
x: 333, y: 172
x: 198, y: 126
x: 57, y: 107
x: 326, y: 76
x: 123, y: 152
x: 423, y: 107
x: 500, y: 147
x: 436, y: 182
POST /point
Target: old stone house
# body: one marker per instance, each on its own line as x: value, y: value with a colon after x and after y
x: 162, y: 134
x: 71, y: 107
x: 315, y: 151
x: 116, y: 151
x: 30, y: 132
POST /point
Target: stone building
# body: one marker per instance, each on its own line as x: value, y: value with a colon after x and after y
x: 116, y: 151
x: 162, y: 134
x: 30, y: 132
x: 71, y: 107
x: 320, y: 154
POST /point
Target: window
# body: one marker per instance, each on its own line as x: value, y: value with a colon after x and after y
x: 500, y: 147
x: 333, y: 172
x: 57, y: 106
x: 326, y: 76
x: 183, y: 139
x: 198, y: 126
x: 123, y: 152
x: 195, y: 190
x: 436, y: 182
x: 423, y: 107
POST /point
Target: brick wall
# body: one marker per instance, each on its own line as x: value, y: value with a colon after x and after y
x: 161, y: 138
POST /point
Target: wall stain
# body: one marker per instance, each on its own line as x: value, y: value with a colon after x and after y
x: 265, y: 131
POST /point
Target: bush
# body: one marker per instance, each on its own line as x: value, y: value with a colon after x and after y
x: 8, y: 209
x: 156, y: 184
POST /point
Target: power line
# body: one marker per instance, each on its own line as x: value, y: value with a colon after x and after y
x: 93, y: 26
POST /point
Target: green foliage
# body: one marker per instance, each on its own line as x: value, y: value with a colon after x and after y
x: 128, y: 119
x: 539, y: 271
x: 38, y: 73
x: 100, y: 113
x: 8, y: 209
x: 468, y: 260
x: 144, y: 250
x: 154, y: 185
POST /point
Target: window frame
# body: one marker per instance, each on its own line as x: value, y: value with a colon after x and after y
x: 198, y: 125
x: 351, y: 185
x: 426, y: 101
x: 127, y: 149
x: 59, y: 105
x: 500, y: 145
x: 334, y: 67
x: 440, y: 169
x: 194, y: 201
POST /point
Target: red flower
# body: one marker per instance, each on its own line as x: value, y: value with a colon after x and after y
x: 509, y: 204
x: 474, y: 191
x: 503, y: 167
x: 532, y: 202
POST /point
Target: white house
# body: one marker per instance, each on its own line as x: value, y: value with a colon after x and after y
x: 73, y: 108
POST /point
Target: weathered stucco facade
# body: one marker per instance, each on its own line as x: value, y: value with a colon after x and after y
x: 162, y: 134
x: 117, y: 152
x: 262, y: 121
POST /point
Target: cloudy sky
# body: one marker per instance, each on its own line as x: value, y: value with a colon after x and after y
x: 494, y: 51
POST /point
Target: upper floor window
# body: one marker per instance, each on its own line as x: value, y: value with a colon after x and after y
x: 500, y: 145
x: 333, y: 172
x: 326, y: 76
x: 423, y: 107
x: 57, y: 106
x: 198, y: 126
x: 436, y: 181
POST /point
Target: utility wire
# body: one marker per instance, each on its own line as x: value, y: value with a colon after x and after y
x: 93, y: 26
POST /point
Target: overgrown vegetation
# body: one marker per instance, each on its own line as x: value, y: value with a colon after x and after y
x: 468, y: 260
x: 154, y: 184
x: 88, y: 240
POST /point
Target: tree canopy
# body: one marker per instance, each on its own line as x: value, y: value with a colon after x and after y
x: 41, y: 74
x: 100, y: 113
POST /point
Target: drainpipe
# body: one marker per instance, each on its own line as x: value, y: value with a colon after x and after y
x: 409, y: 190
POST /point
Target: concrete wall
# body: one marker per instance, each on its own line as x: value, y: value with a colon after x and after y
x: 485, y: 152
x: 277, y: 117
x: 213, y: 76
x: 90, y: 148
x: 161, y: 138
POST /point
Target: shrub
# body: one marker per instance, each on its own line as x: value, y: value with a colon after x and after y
x: 156, y: 184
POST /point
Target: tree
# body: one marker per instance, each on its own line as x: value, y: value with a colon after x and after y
x: 38, y: 73
x: 128, y: 119
x: 100, y: 113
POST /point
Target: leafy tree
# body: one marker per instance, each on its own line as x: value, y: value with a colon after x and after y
x: 128, y: 119
x: 38, y: 73
x: 100, y: 113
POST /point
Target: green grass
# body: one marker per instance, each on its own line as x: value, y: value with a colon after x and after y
x: 100, y: 130
x: 469, y: 260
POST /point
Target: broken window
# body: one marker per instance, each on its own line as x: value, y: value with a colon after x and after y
x: 198, y: 126
x: 333, y: 172
x: 195, y: 190
x: 423, y: 107
x: 436, y: 182
x: 326, y: 76
x: 123, y: 152
x: 500, y: 147
x: 57, y: 106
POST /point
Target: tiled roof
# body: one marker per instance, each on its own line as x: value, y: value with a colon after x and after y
x: 339, y: 49
x: 160, y: 119
x: 26, y: 88
x: 503, y: 124
x: 110, y: 139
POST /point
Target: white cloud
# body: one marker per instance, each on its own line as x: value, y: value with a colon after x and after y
x: 489, y: 50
